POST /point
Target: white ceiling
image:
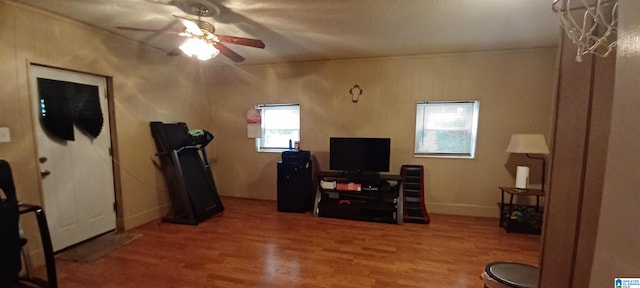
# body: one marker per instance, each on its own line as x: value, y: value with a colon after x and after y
x: 308, y: 30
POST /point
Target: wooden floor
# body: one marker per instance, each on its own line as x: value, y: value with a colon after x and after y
x: 253, y: 245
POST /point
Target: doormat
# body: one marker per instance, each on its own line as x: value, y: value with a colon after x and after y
x: 97, y: 248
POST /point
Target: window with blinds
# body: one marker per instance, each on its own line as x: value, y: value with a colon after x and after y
x: 446, y: 129
x: 280, y: 125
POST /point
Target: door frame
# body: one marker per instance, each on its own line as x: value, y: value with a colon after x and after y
x: 115, y: 159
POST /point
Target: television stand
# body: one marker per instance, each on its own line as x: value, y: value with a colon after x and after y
x: 359, y: 196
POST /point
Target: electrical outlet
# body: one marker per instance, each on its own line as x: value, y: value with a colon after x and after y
x: 5, y: 136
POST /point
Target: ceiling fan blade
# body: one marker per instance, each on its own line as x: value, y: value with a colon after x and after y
x: 224, y: 50
x: 147, y: 30
x: 241, y: 41
x: 191, y: 26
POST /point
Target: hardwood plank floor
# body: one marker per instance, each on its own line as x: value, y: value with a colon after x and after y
x: 253, y: 245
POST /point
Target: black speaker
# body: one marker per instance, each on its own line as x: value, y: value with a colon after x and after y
x: 295, y: 186
x: 296, y: 157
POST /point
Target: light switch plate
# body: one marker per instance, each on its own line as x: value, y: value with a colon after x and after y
x: 5, y: 136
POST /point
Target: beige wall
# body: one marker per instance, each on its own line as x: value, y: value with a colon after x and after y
x: 147, y: 86
x: 617, y: 248
x: 515, y: 89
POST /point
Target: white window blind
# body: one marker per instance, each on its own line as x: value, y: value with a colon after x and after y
x: 446, y: 129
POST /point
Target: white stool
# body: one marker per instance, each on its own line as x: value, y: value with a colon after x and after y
x: 510, y: 275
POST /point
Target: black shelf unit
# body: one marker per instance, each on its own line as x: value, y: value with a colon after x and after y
x: 378, y: 200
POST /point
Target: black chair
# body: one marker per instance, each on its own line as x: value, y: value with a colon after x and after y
x: 10, y: 241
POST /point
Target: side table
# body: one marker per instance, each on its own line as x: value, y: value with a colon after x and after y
x: 519, y: 192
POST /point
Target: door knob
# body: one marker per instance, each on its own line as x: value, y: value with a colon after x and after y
x: 44, y: 172
x: 42, y: 159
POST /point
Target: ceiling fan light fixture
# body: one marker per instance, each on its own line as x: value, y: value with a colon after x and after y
x: 199, y: 48
x: 202, y: 41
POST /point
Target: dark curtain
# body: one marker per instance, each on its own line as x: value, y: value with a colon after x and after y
x: 55, y: 112
x: 64, y: 103
x: 85, y: 104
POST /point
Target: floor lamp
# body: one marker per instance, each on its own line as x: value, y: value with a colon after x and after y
x: 528, y: 144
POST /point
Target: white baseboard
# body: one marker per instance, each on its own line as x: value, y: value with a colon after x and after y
x: 463, y: 209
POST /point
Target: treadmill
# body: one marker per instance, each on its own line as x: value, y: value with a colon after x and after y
x: 187, y: 172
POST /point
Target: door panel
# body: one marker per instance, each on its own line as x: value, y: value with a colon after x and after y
x: 77, y: 176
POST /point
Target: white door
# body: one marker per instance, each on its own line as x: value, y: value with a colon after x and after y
x: 77, y: 176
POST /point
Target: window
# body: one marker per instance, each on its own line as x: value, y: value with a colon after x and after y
x: 446, y: 129
x: 280, y: 124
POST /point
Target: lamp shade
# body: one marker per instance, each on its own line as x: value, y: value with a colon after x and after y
x: 528, y: 143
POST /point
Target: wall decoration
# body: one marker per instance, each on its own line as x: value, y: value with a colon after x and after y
x: 254, y: 123
x: 355, y: 92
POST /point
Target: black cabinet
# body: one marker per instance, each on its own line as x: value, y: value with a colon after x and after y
x: 295, y: 184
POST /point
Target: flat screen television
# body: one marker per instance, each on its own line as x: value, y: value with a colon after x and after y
x: 359, y: 154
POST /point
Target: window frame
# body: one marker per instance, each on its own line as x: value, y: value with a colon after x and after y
x: 473, y: 135
x: 259, y: 141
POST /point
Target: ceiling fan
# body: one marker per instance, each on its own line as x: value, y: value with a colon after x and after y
x: 202, y: 41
